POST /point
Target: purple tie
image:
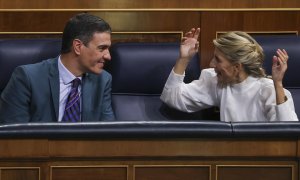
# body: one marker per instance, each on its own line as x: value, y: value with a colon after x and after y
x: 72, y: 109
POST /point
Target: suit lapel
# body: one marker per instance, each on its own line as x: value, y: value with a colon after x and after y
x: 86, y: 92
x: 54, y: 84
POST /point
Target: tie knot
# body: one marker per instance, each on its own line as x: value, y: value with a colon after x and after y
x: 76, y: 82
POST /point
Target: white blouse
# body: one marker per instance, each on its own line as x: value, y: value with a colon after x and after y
x: 254, y: 99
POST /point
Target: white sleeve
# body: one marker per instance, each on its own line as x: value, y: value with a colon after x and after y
x: 281, y: 112
x: 197, y: 95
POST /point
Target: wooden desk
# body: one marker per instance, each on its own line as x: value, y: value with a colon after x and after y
x: 149, y: 159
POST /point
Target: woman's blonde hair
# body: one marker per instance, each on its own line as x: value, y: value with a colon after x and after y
x: 240, y: 47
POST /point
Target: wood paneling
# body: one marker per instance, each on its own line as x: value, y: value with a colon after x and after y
x: 34, y: 21
x: 270, y: 21
x: 146, y: 24
x: 172, y: 148
x: 146, y: 37
x: 23, y: 148
x: 183, y: 172
x: 212, y: 22
x: 260, y: 22
x: 255, y: 172
x: 117, y: 159
x: 88, y: 173
x: 151, y: 21
x: 112, y: 4
x: 20, y: 174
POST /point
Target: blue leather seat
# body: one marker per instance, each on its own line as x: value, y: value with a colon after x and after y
x: 16, y: 52
x: 139, y: 72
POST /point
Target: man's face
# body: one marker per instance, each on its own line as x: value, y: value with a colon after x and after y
x: 94, y: 55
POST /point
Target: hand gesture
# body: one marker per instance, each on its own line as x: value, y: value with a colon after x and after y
x: 279, y: 65
x: 190, y: 44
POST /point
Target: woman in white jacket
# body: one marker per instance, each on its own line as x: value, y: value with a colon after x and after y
x: 236, y: 81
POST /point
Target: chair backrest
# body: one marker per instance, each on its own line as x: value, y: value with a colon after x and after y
x: 139, y: 72
x: 143, y: 68
x: 291, y: 43
x: 16, y: 52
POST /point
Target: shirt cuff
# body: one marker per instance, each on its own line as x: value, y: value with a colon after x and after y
x: 174, y: 79
x: 283, y: 111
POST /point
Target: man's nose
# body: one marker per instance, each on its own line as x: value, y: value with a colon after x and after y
x: 107, y: 56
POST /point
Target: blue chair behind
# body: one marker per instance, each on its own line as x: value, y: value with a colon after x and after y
x: 16, y: 52
x: 139, y: 72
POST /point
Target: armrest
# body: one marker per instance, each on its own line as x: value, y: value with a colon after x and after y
x: 119, y: 129
x: 266, y: 129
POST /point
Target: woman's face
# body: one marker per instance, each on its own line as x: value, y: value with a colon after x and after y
x: 226, y: 71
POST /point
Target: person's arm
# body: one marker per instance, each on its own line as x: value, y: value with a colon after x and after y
x: 188, y: 48
x: 172, y: 92
x: 279, y: 68
x: 284, y: 109
x: 281, y: 112
x: 107, y: 111
x: 194, y: 96
x: 15, y: 99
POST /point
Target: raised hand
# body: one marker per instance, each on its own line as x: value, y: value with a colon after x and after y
x: 189, y: 44
x: 279, y: 66
x: 188, y: 48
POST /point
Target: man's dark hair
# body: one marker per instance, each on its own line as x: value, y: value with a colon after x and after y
x: 82, y: 26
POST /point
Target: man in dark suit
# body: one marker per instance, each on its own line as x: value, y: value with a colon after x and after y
x: 45, y: 91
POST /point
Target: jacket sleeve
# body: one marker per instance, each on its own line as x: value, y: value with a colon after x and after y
x: 107, y: 111
x: 15, y: 99
x: 197, y: 95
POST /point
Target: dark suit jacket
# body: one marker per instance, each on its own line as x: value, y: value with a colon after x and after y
x: 32, y: 95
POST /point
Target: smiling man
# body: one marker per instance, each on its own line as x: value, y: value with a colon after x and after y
x: 70, y: 88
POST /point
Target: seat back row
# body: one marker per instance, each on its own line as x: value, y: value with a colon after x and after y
x: 140, y: 70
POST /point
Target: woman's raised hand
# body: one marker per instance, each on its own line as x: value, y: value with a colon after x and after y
x: 279, y: 66
x: 190, y: 44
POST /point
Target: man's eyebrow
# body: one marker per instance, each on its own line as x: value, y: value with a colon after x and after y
x: 104, y: 46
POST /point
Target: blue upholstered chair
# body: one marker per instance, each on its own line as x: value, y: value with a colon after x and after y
x: 139, y: 72
x: 16, y: 52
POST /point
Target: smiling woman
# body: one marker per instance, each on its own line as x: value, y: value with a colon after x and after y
x: 235, y: 82
x: 237, y: 55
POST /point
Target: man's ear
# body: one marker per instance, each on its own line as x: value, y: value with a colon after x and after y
x: 77, y: 46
